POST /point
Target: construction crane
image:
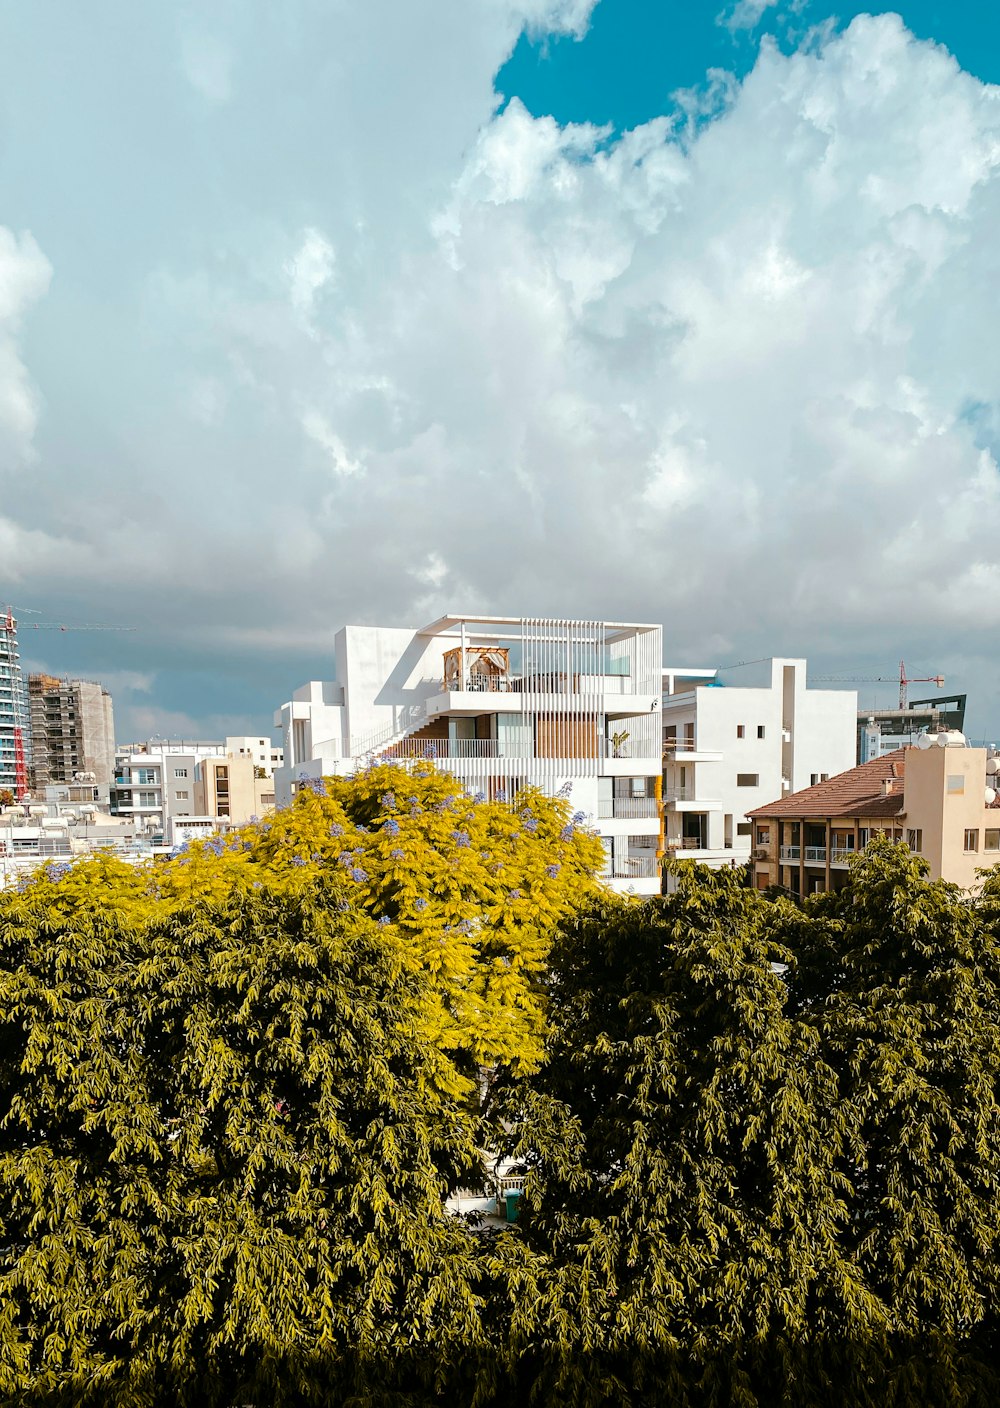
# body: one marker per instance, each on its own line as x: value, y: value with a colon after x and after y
x: 8, y: 629
x: 904, y: 681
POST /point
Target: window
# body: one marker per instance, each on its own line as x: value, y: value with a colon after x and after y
x: 813, y: 779
x: 971, y: 838
x: 267, y: 799
x: 743, y: 828
x: 824, y: 777
x: 991, y: 841
x: 760, y: 730
x: 148, y: 799
x: 147, y: 776
x: 956, y: 785
x: 915, y: 840
x: 748, y: 779
x: 181, y: 796
x: 741, y: 730
x: 763, y: 835
x: 180, y: 772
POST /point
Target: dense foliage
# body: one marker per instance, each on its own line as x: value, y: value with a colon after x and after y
x: 764, y: 1149
x: 761, y: 1142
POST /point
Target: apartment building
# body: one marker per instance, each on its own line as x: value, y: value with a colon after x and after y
x: 501, y: 703
x: 727, y: 749
x: 939, y: 797
x: 163, y: 784
x: 72, y: 731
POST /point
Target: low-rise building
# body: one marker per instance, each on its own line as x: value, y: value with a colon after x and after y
x: 501, y: 703
x: 727, y: 749
x: 937, y: 797
x: 263, y: 753
x: 162, y: 782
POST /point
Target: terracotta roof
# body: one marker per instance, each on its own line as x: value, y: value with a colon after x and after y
x: 857, y: 792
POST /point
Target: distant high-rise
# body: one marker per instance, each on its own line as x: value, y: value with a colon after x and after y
x: 15, y: 740
x: 72, y: 731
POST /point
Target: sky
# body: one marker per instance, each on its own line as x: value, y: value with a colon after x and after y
x: 324, y: 312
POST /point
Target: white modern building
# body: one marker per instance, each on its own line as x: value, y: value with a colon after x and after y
x: 501, y: 703
x: 729, y: 749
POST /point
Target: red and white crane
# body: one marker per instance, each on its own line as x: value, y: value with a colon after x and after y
x: 904, y: 681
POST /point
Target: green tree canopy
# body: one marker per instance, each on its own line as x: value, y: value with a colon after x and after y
x: 763, y: 1150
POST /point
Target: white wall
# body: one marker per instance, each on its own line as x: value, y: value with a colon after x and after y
x: 821, y: 738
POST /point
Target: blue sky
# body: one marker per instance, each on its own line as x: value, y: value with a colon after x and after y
x: 319, y: 312
x: 637, y: 53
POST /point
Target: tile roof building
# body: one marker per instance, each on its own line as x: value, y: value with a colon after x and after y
x: 934, y: 797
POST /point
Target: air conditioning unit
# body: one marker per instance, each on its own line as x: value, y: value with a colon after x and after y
x: 760, y: 853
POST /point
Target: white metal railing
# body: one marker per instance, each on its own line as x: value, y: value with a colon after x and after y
x: 816, y: 854
x: 457, y: 748
x: 628, y: 808
x: 543, y: 682
x: 380, y: 738
x: 842, y: 854
x: 679, y: 794
x: 791, y: 852
x: 632, y: 868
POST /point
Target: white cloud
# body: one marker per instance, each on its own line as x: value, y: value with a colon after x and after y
x: 739, y: 373
x: 24, y: 277
x: 308, y: 271
x: 207, y: 64
x: 319, y: 430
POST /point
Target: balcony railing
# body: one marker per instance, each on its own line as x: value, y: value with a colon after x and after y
x: 687, y: 843
x: 628, y: 808
x: 842, y: 854
x: 680, y: 745
x: 546, y: 682
x: 632, y: 868
x: 816, y: 855
x: 679, y: 794
x: 791, y: 852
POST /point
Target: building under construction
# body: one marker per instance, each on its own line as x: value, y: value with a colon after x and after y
x: 882, y: 731
x: 72, y: 732
x: 15, y: 736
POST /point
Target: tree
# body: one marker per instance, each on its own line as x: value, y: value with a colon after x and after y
x: 6, y: 798
x: 237, y: 1089
x: 762, y: 1153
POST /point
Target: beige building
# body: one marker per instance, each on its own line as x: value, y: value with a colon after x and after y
x: 936, y: 797
x: 228, y: 789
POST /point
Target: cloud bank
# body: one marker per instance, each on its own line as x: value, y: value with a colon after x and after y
x: 736, y: 373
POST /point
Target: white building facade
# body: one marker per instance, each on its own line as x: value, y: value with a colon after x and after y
x: 501, y: 703
x: 728, y: 749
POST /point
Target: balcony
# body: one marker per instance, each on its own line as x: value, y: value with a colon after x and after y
x: 815, y: 855
x: 629, y: 808
x: 791, y: 853
x: 842, y: 854
x: 632, y: 868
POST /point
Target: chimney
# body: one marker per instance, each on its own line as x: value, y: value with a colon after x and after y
x: 887, y: 786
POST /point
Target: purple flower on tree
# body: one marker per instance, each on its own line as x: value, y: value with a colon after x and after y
x: 391, y: 827
x: 552, y: 871
x: 420, y: 905
x: 358, y: 874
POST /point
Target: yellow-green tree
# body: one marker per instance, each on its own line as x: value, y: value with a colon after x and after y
x: 234, y: 1096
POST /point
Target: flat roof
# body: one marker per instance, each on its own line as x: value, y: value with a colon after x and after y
x: 448, y: 623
